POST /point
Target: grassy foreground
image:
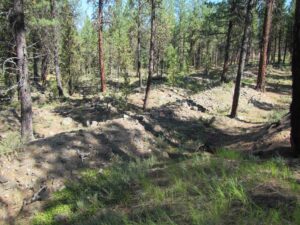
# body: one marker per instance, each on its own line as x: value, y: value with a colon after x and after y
x: 227, y: 188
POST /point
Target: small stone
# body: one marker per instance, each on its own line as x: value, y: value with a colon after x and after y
x: 3, y: 180
x: 185, y: 104
x: 94, y: 124
x: 61, y: 218
x: 67, y: 121
x: 157, y: 128
x: 165, y: 155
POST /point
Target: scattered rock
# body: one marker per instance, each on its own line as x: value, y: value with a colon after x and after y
x: 3, y: 180
x: 83, y: 155
x: 94, y: 124
x: 67, y: 121
x: 185, y: 104
x: 189, y: 103
x: 157, y: 128
x: 61, y: 218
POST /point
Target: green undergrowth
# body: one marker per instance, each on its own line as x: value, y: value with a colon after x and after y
x: 10, y: 143
x: 202, y: 189
x: 277, y: 115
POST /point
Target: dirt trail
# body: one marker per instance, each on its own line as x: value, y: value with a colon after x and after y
x: 91, y: 133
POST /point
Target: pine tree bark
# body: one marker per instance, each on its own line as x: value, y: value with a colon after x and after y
x: 279, y: 48
x: 35, y: 66
x: 151, y: 52
x: 44, y: 68
x: 249, y: 46
x: 198, y: 55
x: 261, y: 78
x: 285, y: 48
x: 70, y: 80
x: 22, y: 63
x: 70, y: 85
x: 56, y: 50
x: 228, y: 42
x: 295, y: 106
x: 110, y: 63
x: 274, y: 51
x: 139, y: 38
x: 100, y: 45
x: 269, y: 50
x: 242, y: 59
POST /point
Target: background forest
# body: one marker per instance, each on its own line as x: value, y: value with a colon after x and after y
x: 189, y: 35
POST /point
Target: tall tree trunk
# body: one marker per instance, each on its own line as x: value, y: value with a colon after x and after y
x: 274, y: 51
x: 279, y: 47
x: 110, y: 60
x: 44, y: 68
x: 249, y: 46
x: 242, y: 59
x: 70, y: 80
x: 162, y: 67
x: 139, y: 38
x: 157, y: 62
x: 207, y: 58
x: 100, y: 45
x: 269, y: 50
x: 198, y: 54
x: 35, y: 65
x: 70, y: 84
x: 216, y: 57
x: 151, y: 52
x: 56, y: 50
x: 24, y: 85
x: 295, y: 106
x: 228, y: 43
x: 285, y: 48
x: 261, y: 78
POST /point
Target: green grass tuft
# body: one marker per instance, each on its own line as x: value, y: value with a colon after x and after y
x: 229, y: 154
x: 10, y: 143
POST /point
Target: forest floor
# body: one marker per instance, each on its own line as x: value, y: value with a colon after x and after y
x: 102, y: 160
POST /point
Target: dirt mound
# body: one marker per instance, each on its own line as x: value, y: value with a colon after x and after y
x: 51, y: 161
x: 273, y: 196
x: 159, y: 96
x: 275, y: 139
x: 48, y: 123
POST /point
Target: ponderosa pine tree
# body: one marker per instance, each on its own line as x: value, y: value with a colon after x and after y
x: 139, y: 42
x: 295, y: 106
x: 261, y: 77
x: 242, y: 59
x: 18, y: 24
x: 100, y: 45
x: 69, y: 45
x: 44, y: 66
x: 228, y: 40
x: 56, y: 48
x: 7, y: 55
x: 151, y: 52
x: 35, y: 56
